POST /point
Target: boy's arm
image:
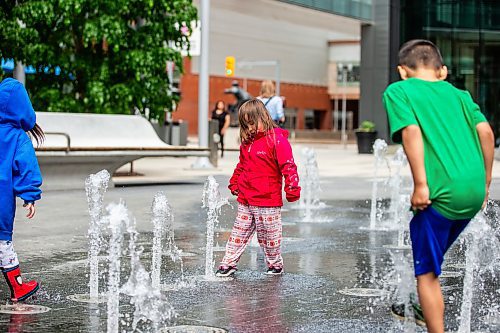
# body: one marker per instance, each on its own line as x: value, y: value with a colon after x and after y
x: 487, y: 140
x: 414, y: 149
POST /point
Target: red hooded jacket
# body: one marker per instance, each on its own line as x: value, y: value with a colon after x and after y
x: 264, y: 162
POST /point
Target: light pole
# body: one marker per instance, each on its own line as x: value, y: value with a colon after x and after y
x: 203, y: 85
x: 344, y: 69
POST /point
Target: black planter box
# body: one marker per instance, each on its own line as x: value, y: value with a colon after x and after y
x: 365, y: 141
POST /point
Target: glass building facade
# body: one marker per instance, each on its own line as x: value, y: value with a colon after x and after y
x: 358, y: 9
x: 468, y: 34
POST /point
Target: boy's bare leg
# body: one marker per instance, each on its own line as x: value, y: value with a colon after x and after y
x: 431, y: 300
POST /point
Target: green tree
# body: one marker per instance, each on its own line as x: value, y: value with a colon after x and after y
x: 99, y: 56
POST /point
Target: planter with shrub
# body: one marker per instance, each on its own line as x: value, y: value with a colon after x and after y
x: 365, y: 137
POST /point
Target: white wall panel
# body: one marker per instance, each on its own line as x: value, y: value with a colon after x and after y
x: 255, y: 30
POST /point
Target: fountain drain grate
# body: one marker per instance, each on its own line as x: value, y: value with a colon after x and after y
x: 216, y: 278
x: 397, y: 247
x: 364, y: 292
x: 85, y: 298
x: 450, y: 274
x: 215, y: 248
x: 451, y: 287
x: 24, y: 309
x: 292, y: 239
x: 192, y: 329
x: 456, y: 266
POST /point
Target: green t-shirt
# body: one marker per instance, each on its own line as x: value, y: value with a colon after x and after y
x: 453, y: 158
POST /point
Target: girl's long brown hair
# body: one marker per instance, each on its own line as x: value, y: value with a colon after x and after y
x: 251, y: 113
x: 37, y: 133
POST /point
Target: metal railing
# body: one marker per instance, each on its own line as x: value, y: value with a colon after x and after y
x: 66, y: 135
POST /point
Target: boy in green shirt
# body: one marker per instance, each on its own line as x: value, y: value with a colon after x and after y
x: 450, y: 149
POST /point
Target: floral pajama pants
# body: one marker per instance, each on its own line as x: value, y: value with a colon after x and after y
x: 267, y: 222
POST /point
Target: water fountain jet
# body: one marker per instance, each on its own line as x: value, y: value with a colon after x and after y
x: 213, y: 202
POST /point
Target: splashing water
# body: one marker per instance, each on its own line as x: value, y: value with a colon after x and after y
x: 404, y: 215
x: 254, y: 241
x: 399, y: 207
x: 399, y: 161
x: 311, y: 189
x: 118, y: 218
x: 482, y: 253
x: 379, y: 151
x: 401, y: 281
x: 149, y: 303
x: 213, y: 201
x: 95, y: 187
x: 162, y: 221
x: 172, y: 250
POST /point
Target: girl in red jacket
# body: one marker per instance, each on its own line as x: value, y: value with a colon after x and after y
x: 265, y: 159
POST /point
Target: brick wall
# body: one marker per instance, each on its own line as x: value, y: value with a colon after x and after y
x: 298, y: 96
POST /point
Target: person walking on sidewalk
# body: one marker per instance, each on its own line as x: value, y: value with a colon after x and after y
x: 265, y: 159
x: 220, y: 114
x: 450, y: 149
x: 273, y: 103
x: 20, y: 177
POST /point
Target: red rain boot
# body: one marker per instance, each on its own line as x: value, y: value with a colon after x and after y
x: 19, y: 291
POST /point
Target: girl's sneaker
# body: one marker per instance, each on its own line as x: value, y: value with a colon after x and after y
x: 225, y: 271
x: 274, y: 271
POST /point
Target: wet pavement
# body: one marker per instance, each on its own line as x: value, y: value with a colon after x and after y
x: 321, y: 260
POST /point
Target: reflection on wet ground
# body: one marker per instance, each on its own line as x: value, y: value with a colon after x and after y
x: 321, y: 259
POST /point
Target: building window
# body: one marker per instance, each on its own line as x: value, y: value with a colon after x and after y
x: 314, y: 119
x: 352, y: 73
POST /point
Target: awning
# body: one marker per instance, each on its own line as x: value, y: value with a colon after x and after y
x: 8, y: 66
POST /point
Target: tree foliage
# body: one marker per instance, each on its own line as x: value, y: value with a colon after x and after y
x: 100, y: 56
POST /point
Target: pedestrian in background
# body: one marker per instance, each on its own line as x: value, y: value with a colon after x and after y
x: 220, y: 114
x: 20, y: 177
x: 265, y: 159
x: 273, y: 103
x: 450, y: 146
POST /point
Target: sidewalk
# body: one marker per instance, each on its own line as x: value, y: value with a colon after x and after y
x: 344, y: 173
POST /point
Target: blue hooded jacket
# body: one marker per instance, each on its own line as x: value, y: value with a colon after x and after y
x: 19, y: 171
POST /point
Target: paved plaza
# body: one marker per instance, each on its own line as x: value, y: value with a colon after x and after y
x: 322, y: 257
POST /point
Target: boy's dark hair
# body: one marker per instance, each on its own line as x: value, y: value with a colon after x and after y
x: 420, y: 52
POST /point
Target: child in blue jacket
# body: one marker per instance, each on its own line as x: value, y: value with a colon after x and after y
x: 19, y: 177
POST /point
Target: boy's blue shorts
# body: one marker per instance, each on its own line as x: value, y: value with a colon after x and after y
x: 431, y: 236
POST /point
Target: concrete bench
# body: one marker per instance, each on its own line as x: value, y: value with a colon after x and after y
x: 77, y: 145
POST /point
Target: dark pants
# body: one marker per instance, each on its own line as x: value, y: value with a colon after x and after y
x: 221, y: 145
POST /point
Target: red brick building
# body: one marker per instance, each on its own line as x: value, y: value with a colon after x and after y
x: 299, y: 98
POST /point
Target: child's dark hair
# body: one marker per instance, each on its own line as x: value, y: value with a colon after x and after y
x: 420, y: 52
x: 37, y: 133
x: 253, y: 112
x: 217, y: 104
